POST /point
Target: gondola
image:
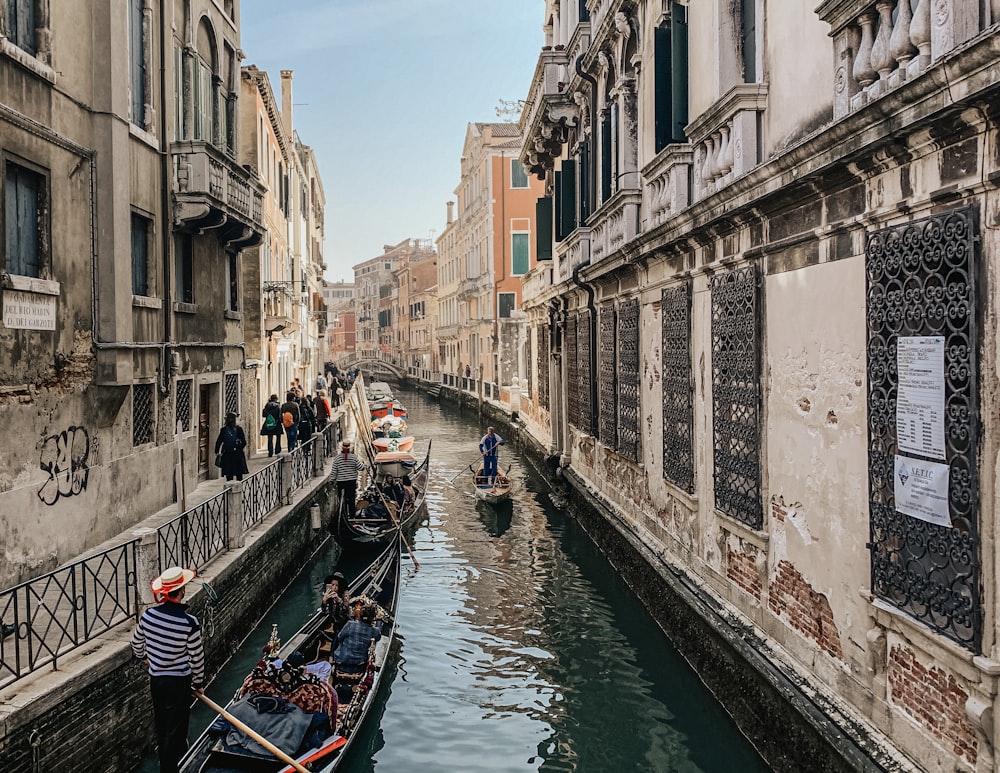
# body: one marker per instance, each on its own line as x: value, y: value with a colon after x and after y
x: 378, y: 514
x: 277, y: 681
x: 495, y: 491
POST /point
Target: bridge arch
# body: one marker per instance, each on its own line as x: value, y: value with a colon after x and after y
x: 369, y: 365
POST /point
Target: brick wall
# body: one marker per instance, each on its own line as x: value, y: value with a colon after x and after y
x: 934, y: 699
x: 100, y: 718
x: 741, y: 568
x: 793, y: 599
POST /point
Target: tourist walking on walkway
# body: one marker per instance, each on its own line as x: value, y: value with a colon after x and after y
x: 346, y: 467
x: 229, y: 447
x: 271, y: 427
x: 290, y: 420
x: 169, y: 640
x: 488, y: 448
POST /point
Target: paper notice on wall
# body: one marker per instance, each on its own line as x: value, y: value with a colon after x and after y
x: 920, y: 397
x: 921, y: 490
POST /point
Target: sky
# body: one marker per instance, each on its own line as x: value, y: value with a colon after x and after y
x: 383, y: 91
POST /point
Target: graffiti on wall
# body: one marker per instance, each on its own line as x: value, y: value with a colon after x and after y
x: 66, y: 459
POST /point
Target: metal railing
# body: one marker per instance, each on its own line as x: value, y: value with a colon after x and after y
x: 301, y: 464
x: 59, y: 611
x: 261, y: 494
x: 196, y: 536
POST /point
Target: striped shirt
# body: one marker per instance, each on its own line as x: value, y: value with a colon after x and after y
x: 346, y: 468
x: 171, y: 639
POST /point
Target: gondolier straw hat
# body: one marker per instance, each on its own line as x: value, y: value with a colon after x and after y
x: 171, y: 580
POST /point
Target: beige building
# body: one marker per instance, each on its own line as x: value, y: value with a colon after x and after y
x: 126, y: 215
x: 765, y: 339
x: 338, y: 297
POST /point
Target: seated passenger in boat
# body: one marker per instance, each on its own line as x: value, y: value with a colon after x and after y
x: 409, y: 492
x: 291, y: 682
x: 335, y: 599
x: 354, y: 641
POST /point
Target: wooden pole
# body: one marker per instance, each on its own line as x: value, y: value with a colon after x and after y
x: 251, y: 732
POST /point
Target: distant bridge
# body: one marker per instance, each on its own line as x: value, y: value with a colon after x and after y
x: 369, y: 365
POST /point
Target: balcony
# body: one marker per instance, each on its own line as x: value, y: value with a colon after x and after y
x: 666, y: 182
x: 727, y: 138
x: 214, y: 192
x: 615, y: 224
x: 468, y: 289
x: 572, y: 251
x: 537, y: 281
x: 879, y: 46
x: 447, y: 331
x: 549, y: 111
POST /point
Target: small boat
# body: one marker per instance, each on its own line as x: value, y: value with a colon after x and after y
x: 380, y: 409
x: 378, y: 390
x: 382, y: 509
x: 387, y: 426
x: 278, y: 680
x: 492, y: 492
x: 391, y: 443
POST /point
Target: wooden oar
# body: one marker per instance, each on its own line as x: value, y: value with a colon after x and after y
x: 251, y: 732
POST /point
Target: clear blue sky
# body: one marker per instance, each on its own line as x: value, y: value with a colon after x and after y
x: 383, y: 90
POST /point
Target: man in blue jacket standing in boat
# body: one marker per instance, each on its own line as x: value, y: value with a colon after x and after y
x: 488, y: 448
x: 168, y: 638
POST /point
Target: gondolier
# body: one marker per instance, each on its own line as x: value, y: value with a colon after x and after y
x: 346, y: 467
x: 169, y: 640
x: 488, y: 448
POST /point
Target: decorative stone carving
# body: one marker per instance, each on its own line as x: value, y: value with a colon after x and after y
x: 864, y: 73
x: 900, y: 45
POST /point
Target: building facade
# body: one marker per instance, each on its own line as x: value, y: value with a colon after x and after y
x: 764, y: 336
x: 339, y: 300
x: 126, y: 215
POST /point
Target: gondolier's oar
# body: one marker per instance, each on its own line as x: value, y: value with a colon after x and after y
x: 251, y: 732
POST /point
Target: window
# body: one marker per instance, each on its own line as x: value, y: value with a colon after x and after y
x: 506, y: 303
x: 518, y: 177
x: 748, y: 39
x: 179, y: 126
x: 26, y: 221
x: 204, y: 126
x: 142, y: 414
x: 182, y: 414
x: 232, y: 393
x: 233, y: 280
x: 141, y: 228
x: 21, y: 24
x: 671, y: 75
x: 520, y: 253
x: 677, y: 381
x: 137, y: 62
x: 184, y: 267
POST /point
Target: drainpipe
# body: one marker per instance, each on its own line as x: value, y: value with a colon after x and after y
x: 167, y: 219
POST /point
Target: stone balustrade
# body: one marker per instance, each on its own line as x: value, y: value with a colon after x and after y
x: 878, y: 46
x: 573, y: 251
x: 666, y: 184
x: 538, y: 280
x: 614, y: 224
x: 727, y: 138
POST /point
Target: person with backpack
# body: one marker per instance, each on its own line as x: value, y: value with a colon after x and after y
x: 322, y: 409
x: 290, y: 420
x: 272, y: 428
x: 320, y: 382
x: 307, y: 419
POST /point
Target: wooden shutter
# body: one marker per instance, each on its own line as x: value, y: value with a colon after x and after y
x: 520, y: 252
x: 543, y: 228
x: 678, y: 71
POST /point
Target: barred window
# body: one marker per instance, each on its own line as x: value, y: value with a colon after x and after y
x: 573, y: 385
x: 736, y: 395
x: 922, y: 285
x: 609, y: 379
x: 542, y: 361
x: 678, y: 451
x: 581, y: 383
x: 232, y: 393
x: 142, y: 414
x: 628, y: 379
x: 183, y: 405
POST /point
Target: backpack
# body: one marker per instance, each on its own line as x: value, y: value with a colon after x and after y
x: 270, y: 422
x: 287, y: 419
x: 306, y: 415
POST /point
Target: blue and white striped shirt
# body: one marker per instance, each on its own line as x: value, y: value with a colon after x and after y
x: 171, y: 639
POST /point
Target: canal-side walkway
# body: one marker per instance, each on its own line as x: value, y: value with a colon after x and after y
x: 68, y: 683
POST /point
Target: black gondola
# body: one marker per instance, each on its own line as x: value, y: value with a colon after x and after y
x: 221, y: 749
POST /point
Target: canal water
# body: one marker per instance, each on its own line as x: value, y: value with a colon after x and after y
x: 520, y: 648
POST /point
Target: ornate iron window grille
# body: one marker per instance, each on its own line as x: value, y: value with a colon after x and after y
x: 922, y: 282
x: 736, y: 395
x: 583, y: 338
x: 543, y: 367
x: 608, y: 411
x: 142, y: 414
x: 628, y: 379
x: 182, y: 413
x: 678, y: 416
x: 572, y: 373
x: 232, y: 393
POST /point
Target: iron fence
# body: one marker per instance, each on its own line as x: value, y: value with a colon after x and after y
x: 261, y: 494
x: 302, y: 463
x: 59, y: 611
x: 196, y: 536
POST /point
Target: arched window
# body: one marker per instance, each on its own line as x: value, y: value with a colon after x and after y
x: 203, y: 87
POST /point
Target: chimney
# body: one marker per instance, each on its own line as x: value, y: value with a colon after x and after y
x: 286, y: 101
x: 451, y: 212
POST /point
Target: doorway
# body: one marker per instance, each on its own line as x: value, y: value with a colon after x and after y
x: 206, y: 401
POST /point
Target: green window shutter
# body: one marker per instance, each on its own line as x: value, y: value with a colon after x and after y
x: 566, y: 200
x: 678, y: 71
x: 23, y: 194
x: 663, y: 82
x: 543, y: 228
x: 606, y: 156
x: 137, y: 63
x: 520, y: 252
x: 586, y: 184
